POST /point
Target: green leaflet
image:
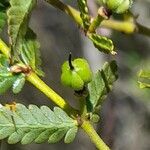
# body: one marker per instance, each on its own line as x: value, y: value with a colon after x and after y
x: 102, y: 43
x: 3, y: 61
x: 84, y: 13
x: 7, y: 79
x: 144, y: 79
x: 57, y: 136
x: 35, y: 124
x: 30, y: 54
x: 6, y: 83
x: 18, y: 83
x: 18, y: 18
x: 71, y: 135
x: 101, y: 85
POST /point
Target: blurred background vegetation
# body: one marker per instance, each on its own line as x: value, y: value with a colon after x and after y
x: 125, y: 116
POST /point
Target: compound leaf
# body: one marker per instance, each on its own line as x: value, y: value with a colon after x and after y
x: 23, y: 40
x: 102, y: 43
x: 30, y: 54
x: 33, y: 124
x: 18, y: 18
x: 101, y: 85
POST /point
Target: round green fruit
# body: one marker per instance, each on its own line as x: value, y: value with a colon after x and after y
x: 76, y: 75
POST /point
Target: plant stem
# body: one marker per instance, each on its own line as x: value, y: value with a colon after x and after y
x: 121, y: 26
x: 88, y: 128
x: 83, y: 107
x: 73, y: 13
x: 102, y: 14
x: 4, y: 49
x: 95, y: 23
x: 51, y: 94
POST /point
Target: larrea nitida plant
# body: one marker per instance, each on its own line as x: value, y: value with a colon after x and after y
x: 20, y: 62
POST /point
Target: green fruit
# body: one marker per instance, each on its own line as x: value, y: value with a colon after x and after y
x: 118, y: 6
x: 77, y: 75
x: 76, y: 82
x: 83, y: 70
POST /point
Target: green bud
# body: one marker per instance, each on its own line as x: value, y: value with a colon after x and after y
x: 76, y: 75
x: 118, y: 6
x: 95, y: 118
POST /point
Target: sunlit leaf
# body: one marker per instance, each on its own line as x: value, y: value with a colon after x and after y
x: 35, y: 124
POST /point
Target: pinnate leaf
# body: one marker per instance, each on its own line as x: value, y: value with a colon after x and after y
x: 30, y: 54
x: 18, y: 18
x: 102, y: 43
x: 34, y: 124
x: 23, y: 40
x: 101, y: 85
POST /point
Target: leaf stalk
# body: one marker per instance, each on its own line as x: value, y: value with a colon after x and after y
x: 95, y: 138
